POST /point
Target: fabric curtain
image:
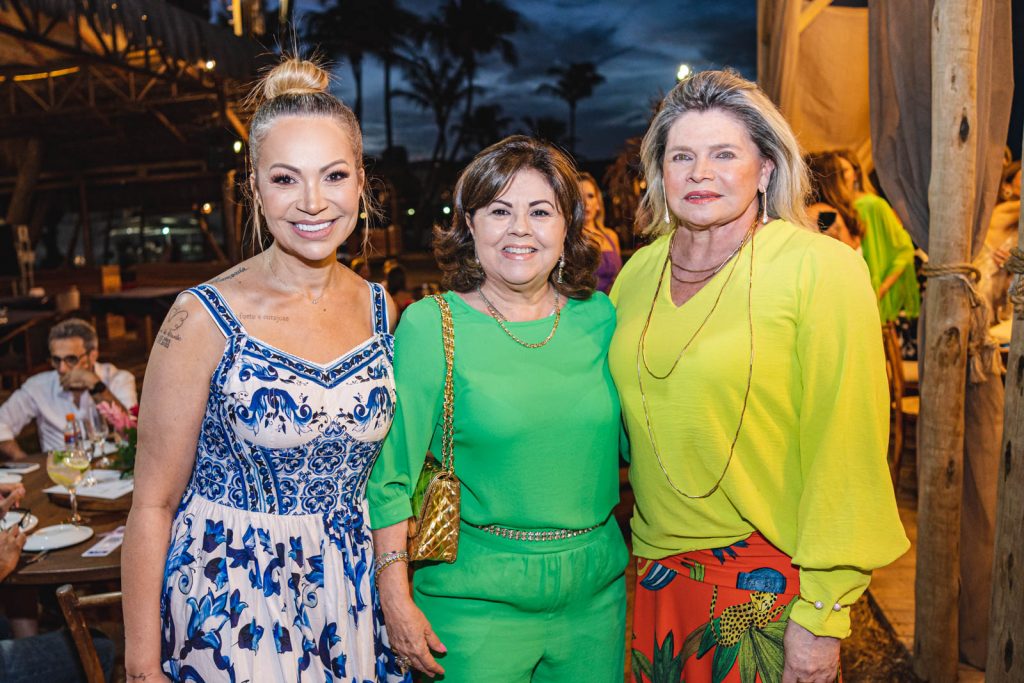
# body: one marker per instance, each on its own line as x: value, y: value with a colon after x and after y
x: 778, y: 43
x: 901, y: 92
x: 832, y: 108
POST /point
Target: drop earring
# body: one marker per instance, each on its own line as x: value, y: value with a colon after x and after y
x: 764, y: 207
x: 561, y: 268
x: 664, y: 193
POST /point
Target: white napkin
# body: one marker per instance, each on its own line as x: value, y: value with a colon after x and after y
x: 110, y: 489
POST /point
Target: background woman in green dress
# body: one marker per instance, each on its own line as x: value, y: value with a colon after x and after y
x: 537, y: 592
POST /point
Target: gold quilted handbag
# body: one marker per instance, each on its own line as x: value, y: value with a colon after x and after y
x: 436, y: 502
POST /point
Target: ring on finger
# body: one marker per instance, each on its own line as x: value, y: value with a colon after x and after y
x: 403, y: 663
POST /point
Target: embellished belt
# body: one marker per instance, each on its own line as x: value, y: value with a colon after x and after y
x: 527, y: 535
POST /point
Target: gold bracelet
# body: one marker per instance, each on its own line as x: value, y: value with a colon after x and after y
x: 385, y: 560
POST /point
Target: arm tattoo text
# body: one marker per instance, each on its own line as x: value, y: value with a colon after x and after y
x: 169, y: 330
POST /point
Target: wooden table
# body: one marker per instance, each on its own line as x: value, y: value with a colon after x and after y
x: 67, y: 564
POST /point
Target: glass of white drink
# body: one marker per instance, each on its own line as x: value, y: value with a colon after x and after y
x: 66, y: 468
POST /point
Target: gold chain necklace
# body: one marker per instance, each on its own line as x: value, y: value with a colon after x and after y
x: 641, y: 354
x: 712, y: 269
x: 747, y: 237
x: 313, y: 300
x: 500, y: 319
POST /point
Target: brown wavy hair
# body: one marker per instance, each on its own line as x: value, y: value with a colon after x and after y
x: 827, y: 187
x: 487, y: 177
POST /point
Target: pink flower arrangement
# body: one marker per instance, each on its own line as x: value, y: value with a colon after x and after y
x: 118, y: 418
x: 125, y: 424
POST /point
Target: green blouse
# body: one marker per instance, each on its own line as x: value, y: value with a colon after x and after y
x: 536, y: 430
x: 887, y: 249
x: 809, y: 470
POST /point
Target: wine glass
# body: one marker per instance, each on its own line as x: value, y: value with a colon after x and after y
x: 98, y: 430
x: 66, y: 468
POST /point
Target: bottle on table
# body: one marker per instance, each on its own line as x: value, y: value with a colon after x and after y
x: 71, y: 435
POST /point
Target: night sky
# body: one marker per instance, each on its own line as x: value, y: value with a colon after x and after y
x: 637, y: 46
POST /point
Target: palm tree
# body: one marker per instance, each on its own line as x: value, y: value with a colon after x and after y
x: 546, y: 128
x: 395, y: 26
x: 573, y: 83
x: 350, y: 29
x: 486, y: 126
x: 471, y: 29
x: 436, y: 84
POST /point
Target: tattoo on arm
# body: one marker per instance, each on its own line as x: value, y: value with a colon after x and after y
x: 235, y: 273
x: 169, y: 330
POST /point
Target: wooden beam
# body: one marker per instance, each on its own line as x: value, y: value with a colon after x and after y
x: 204, y: 227
x: 1005, y: 663
x: 955, y: 27
x: 162, y: 118
x: 811, y: 12
x: 236, y: 123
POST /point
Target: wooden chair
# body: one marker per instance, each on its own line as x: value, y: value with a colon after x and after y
x: 904, y: 408
x: 24, y: 351
x: 72, y: 605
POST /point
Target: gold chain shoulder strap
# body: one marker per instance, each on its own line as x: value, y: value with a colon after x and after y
x: 448, y: 420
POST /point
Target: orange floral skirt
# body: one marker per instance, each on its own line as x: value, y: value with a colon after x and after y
x: 713, y: 615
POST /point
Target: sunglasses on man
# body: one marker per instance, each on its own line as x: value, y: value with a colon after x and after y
x: 71, y: 361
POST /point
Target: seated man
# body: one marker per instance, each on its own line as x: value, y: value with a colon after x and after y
x: 50, y: 657
x: 75, y: 385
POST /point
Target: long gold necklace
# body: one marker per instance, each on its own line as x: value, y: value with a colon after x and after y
x: 500, y: 318
x: 747, y: 237
x: 641, y: 358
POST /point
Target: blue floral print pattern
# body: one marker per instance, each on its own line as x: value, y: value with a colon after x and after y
x: 270, y: 558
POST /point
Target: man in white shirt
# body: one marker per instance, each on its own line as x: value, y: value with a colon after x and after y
x: 75, y: 385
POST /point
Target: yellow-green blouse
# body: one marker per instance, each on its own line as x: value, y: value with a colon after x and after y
x: 809, y: 470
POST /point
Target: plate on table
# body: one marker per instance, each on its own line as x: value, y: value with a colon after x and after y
x: 14, y: 517
x: 57, y: 536
x: 9, y: 477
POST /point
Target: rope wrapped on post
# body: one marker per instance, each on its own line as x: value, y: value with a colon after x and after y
x: 982, y: 350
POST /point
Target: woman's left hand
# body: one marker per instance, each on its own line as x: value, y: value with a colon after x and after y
x: 809, y: 658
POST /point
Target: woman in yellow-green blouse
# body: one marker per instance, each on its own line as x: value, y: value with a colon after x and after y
x: 749, y: 363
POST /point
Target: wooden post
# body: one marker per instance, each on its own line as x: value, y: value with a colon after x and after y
x: 951, y: 198
x: 29, y: 162
x: 1005, y: 663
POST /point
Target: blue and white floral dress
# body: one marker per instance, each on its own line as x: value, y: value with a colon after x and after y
x: 268, y: 574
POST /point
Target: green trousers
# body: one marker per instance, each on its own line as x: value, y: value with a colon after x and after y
x: 529, y: 612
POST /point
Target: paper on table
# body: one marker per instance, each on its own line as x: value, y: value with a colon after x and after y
x: 106, y: 545
x: 107, y: 490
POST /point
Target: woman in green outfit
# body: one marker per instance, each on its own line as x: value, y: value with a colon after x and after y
x: 537, y: 592
x: 886, y: 245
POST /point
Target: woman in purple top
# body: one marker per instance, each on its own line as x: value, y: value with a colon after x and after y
x: 606, y: 239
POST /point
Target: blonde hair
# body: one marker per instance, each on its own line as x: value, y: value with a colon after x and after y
x: 585, y: 177
x: 299, y: 87
x: 729, y: 92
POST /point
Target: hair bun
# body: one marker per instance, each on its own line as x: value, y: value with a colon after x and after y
x: 295, y: 76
